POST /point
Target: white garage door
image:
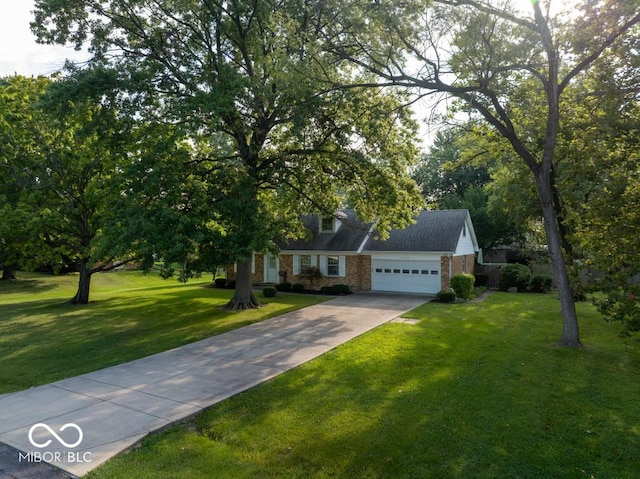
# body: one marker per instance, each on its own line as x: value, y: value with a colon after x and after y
x: 405, y: 276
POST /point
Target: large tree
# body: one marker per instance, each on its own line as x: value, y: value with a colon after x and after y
x: 249, y: 70
x: 62, y: 151
x: 509, y: 67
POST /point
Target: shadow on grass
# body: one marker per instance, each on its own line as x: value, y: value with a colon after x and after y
x: 43, y: 341
x: 434, y: 400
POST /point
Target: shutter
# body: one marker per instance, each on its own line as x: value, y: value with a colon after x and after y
x: 342, y: 266
x: 296, y: 264
x: 323, y: 264
x: 314, y: 260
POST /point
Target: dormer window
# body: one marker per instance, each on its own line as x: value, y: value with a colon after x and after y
x: 327, y: 225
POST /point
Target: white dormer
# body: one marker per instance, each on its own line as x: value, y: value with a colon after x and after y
x: 329, y: 224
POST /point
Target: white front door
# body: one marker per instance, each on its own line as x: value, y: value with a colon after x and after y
x: 271, y: 266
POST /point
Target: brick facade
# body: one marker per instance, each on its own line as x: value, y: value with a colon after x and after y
x: 459, y: 265
x: 357, y: 271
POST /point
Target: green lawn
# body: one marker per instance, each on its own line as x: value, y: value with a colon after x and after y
x: 470, y: 391
x: 130, y: 316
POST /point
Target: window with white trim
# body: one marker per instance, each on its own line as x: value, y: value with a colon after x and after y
x: 305, y: 262
x: 333, y: 265
x: 326, y: 225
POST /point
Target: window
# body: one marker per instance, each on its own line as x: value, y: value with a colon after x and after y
x: 424, y: 271
x: 464, y: 264
x: 333, y: 265
x: 405, y: 271
x: 326, y: 225
x: 378, y: 270
x: 397, y: 271
x: 305, y: 261
x: 434, y: 272
x: 414, y: 271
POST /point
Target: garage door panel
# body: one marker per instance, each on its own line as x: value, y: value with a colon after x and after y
x: 405, y: 276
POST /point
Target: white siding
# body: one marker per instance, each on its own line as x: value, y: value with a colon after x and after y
x: 465, y: 243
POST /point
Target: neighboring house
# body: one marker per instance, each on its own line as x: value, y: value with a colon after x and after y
x: 417, y: 259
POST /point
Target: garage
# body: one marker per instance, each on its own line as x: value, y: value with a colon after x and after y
x: 406, y: 276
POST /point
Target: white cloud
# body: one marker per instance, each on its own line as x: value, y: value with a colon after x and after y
x: 19, y: 52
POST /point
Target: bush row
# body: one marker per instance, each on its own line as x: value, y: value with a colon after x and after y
x: 520, y: 277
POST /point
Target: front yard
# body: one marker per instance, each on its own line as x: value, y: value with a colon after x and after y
x: 131, y: 315
x: 470, y: 391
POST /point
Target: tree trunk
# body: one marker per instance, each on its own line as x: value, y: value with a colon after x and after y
x: 243, y: 297
x: 84, y: 284
x: 570, y: 330
x: 8, y: 272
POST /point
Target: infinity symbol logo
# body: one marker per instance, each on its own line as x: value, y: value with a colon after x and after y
x: 60, y: 440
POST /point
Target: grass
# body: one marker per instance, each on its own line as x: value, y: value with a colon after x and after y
x: 470, y: 391
x: 130, y: 316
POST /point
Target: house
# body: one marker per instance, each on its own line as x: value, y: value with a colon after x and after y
x: 417, y: 259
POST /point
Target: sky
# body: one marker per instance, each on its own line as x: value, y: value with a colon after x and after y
x: 19, y: 52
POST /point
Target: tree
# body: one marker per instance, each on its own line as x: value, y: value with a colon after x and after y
x: 456, y: 173
x: 17, y: 123
x: 64, y: 176
x: 249, y: 70
x: 510, y: 69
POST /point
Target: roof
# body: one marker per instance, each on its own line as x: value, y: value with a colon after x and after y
x: 434, y: 231
x: 349, y: 237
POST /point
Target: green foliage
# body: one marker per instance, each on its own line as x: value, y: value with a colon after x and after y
x: 269, y: 292
x: 462, y: 284
x: 269, y: 132
x: 541, y: 283
x: 284, y: 287
x: 515, y: 276
x: 446, y: 295
x: 481, y: 279
x: 621, y: 304
x: 297, y: 287
x: 340, y: 289
x: 220, y: 282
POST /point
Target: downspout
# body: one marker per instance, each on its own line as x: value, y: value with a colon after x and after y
x: 450, y: 269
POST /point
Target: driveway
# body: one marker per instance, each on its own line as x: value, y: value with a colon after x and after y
x: 81, y: 422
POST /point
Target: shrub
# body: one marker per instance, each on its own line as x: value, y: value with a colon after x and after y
x: 340, y: 289
x: 311, y: 274
x: 482, y: 279
x: 269, y: 292
x: 325, y: 289
x: 220, y: 282
x: 297, y: 287
x: 231, y: 284
x: 541, y: 283
x: 447, y: 295
x: 283, y: 287
x: 515, y: 275
x: 462, y: 284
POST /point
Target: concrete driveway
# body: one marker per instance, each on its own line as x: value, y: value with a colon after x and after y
x: 81, y: 422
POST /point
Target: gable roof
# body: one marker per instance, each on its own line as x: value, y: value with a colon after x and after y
x: 434, y: 231
x: 349, y: 237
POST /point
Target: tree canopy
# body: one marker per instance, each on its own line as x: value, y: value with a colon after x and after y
x: 510, y: 69
x: 255, y: 73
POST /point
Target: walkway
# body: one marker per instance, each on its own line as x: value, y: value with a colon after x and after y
x: 110, y: 410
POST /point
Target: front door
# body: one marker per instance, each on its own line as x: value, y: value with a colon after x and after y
x: 271, y: 268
